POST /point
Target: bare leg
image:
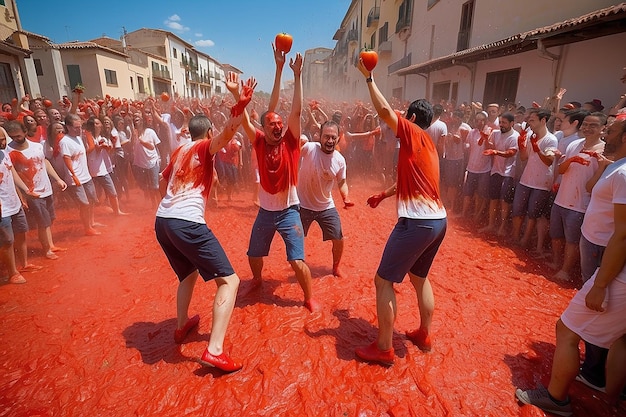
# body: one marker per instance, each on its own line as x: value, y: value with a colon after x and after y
x: 256, y: 265
x: 223, y: 305
x: 183, y: 298
x: 616, y: 370
x: 7, y: 256
x: 572, y: 255
x: 558, y: 246
x: 543, y: 226
x: 493, y: 214
x: 303, y: 275
x: 115, y: 205
x: 386, y: 309
x: 425, y: 300
x: 517, y: 228
x: 505, y: 212
x: 565, y: 362
x: 337, y: 253
x: 21, y: 251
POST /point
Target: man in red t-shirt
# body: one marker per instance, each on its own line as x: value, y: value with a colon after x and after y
x: 421, y: 226
x: 278, y: 153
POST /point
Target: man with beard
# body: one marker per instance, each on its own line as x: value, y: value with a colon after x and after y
x: 278, y: 153
x: 596, y: 313
x: 321, y: 166
x: 502, y: 145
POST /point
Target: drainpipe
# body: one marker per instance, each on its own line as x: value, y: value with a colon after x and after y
x: 543, y: 53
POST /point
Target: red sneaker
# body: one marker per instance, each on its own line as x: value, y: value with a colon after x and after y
x: 371, y: 353
x: 180, y: 334
x: 421, y: 339
x: 223, y: 362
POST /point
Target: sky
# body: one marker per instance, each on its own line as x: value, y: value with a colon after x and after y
x: 236, y: 32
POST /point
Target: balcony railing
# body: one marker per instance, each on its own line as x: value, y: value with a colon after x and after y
x: 385, y: 47
x: 353, y: 35
x: 373, y: 16
x: 398, y: 65
x: 403, y: 23
x: 161, y: 74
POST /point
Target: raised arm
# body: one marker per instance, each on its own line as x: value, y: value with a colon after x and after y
x: 384, y: 110
x: 232, y: 84
x: 279, y: 58
x: 236, y: 116
x: 294, y: 122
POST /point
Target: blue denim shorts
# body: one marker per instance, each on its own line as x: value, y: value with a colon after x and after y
x: 191, y: 246
x: 411, y: 247
x: 84, y: 194
x: 529, y: 202
x: 565, y: 224
x: 6, y: 232
x: 40, y: 213
x: 106, y: 182
x: 287, y: 223
x: 327, y: 219
x: 477, y: 183
x: 502, y: 188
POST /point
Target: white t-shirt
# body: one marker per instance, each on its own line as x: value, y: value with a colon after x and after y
x: 599, y: 222
x: 477, y: 162
x: 9, y: 199
x: 454, y: 150
x: 142, y: 156
x: 503, y: 142
x: 572, y: 193
x: 318, y: 173
x: 99, y: 160
x: 75, y: 149
x: 436, y: 130
x: 30, y: 164
x: 536, y: 174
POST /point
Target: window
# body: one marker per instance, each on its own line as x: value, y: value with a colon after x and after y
x: 441, y: 91
x: 140, y: 84
x: 431, y: 3
x: 7, y: 86
x: 155, y: 66
x: 132, y: 84
x: 175, y: 52
x: 383, y: 33
x: 73, y: 75
x: 467, y: 16
x: 38, y: 68
x: 111, y: 77
x: 372, y: 44
x: 501, y: 86
x: 405, y: 12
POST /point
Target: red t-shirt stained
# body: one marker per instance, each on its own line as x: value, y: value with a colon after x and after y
x: 278, y: 164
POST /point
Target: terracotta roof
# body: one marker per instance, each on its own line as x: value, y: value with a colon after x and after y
x: 88, y: 45
x: 11, y: 49
x: 602, y: 22
x: 35, y: 35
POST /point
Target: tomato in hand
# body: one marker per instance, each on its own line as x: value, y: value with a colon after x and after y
x: 165, y: 96
x: 370, y: 58
x: 283, y: 42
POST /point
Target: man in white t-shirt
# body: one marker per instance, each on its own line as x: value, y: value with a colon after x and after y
x: 476, y: 184
x: 533, y: 191
x: 321, y: 166
x: 80, y: 185
x: 578, y: 165
x: 502, y: 145
x: 35, y: 171
x: 146, y: 159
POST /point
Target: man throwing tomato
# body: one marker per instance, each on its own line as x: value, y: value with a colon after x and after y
x: 278, y: 153
x: 421, y: 225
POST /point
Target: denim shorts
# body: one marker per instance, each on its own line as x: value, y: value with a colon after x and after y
x: 327, y: 219
x: 40, y: 213
x: 18, y: 222
x: 6, y: 232
x: 106, y: 182
x: 590, y: 257
x: 411, y: 247
x: 565, y: 224
x: 147, y: 178
x: 287, y: 223
x: 529, y: 202
x: 502, y: 188
x: 191, y: 246
x: 83, y: 194
x: 477, y: 183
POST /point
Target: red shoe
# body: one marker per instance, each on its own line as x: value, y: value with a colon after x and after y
x: 421, y: 339
x: 223, y: 362
x: 180, y: 334
x: 371, y: 353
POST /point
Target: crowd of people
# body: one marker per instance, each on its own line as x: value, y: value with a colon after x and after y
x: 549, y: 176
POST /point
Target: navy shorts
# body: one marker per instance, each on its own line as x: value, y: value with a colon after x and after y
x: 327, y: 219
x: 83, y: 194
x: 18, y: 222
x: 191, y: 246
x: 287, y: 223
x: 529, y: 202
x: 566, y: 224
x: 6, y: 232
x: 40, y: 213
x: 501, y: 188
x: 477, y: 183
x: 411, y: 247
x: 452, y: 172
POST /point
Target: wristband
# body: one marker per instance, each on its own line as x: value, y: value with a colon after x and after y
x: 368, y: 80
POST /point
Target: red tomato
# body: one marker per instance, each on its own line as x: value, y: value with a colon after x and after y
x: 47, y: 103
x: 283, y: 42
x: 165, y: 96
x: 370, y: 58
